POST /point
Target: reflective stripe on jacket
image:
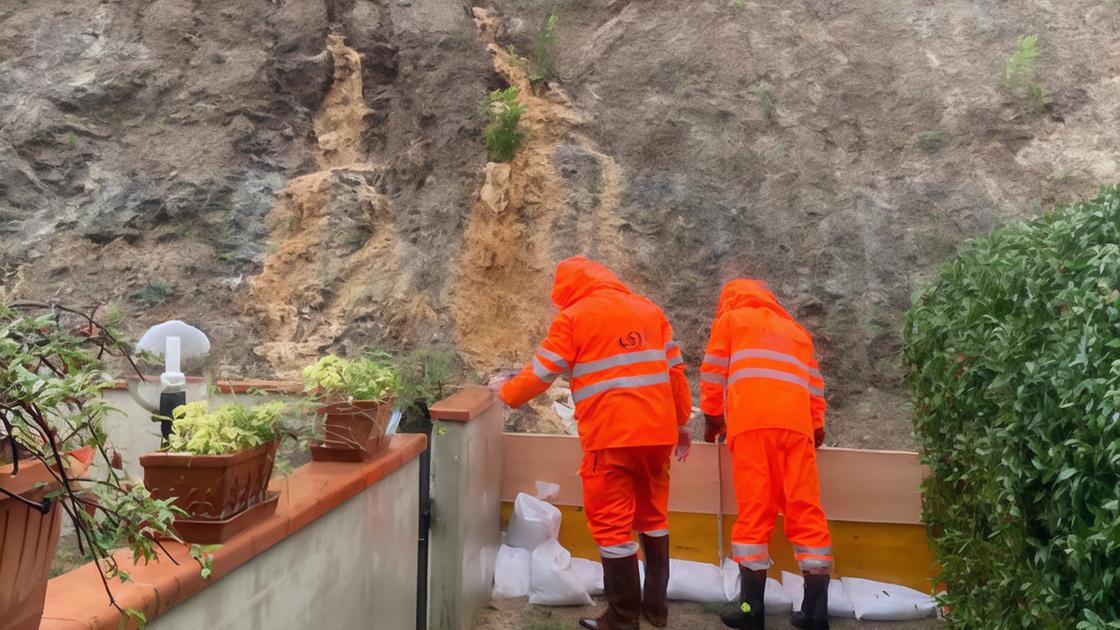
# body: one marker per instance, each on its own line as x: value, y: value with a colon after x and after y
x: 617, y: 348
x: 759, y: 367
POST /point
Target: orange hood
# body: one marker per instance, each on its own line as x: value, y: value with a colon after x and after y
x: 578, y: 277
x: 744, y: 293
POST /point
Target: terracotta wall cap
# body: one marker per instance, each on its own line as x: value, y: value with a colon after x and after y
x: 464, y: 405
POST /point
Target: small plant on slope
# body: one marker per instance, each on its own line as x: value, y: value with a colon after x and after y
x: 544, y: 49
x: 503, y: 137
x: 1021, y: 71
x: 1013, y: 367
x: 738, y: 5
x: 931, y: 141
x: 543, y: 68
x: 156, y: 293
x: 765, y: 93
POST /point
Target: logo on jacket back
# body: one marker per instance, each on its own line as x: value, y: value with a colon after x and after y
x: 633, y: 339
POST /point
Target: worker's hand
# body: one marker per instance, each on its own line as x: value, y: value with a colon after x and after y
x: 497, y: 381
x: 818, y: 437
x: 715, y: 429
x: 684, y: 444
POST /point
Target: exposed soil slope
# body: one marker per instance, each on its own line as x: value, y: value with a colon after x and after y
x: 298, y: 176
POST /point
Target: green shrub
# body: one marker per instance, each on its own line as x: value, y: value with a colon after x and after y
x: 931, y: 141
x: 1021, y: 71
x: 232, y: 427
x: 543, y: 68
x: 503, y: 137
x: 425, y: 377
x: 765, y: 93
x: 368, y: 378
x: 1013, y: 358
x: 155, y: 293
x: 738, y: 5
x: 544, y: 49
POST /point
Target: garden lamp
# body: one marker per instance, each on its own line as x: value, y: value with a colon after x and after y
x: 174, y: 341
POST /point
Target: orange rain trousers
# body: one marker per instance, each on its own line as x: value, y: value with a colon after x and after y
x: 776, y: 469
x: 626, y: 490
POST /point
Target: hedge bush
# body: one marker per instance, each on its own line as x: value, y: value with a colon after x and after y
x: 1013, y: 359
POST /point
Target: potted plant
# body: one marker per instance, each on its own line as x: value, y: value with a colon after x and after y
x: 51, y: 416
x: 216, y: 467
x: 355, y: 402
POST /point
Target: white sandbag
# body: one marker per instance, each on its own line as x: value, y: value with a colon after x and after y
x: 533, y: 522
x: 731, y: 580
x: 695, y: 582
x: 553, y: 581
x: 774, y: 598
x: 547, y: 491
x: 590, y: 574
x: 881, y: 601
x: 511, y: 573
x: 839, y: 605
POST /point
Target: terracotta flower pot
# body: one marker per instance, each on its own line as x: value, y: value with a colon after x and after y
x: 211, y: 487
x: 356, y: 425
x: 28, y: 540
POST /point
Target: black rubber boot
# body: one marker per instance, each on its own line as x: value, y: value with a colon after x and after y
x: 752, y: 612
x: 623, y: 587
x: 655, y: 607
x: 814, y: 608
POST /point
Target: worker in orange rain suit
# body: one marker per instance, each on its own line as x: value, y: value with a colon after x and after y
x: 632, y: 402
x: 760, y: 369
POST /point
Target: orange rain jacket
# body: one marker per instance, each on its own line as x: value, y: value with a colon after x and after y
x: 758, y: 353
x: 617, y: 348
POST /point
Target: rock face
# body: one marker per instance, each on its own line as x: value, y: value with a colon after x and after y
x: 302, y: 176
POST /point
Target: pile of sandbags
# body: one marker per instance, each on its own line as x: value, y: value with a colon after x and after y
x: 533, y: 563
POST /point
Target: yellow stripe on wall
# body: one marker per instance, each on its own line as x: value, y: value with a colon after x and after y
x: 896, y: 553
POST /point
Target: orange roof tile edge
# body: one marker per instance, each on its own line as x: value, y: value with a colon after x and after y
x: 77, y: 599
x: 464, y: 405
x: 227, y: 386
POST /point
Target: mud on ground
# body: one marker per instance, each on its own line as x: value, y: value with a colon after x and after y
x: 517, y: 614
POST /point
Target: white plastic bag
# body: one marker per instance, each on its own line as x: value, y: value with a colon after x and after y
x: 533, y: 522
x: 880, y: 601
x: 839, y: 605
x: 695, y: 582
x: 511, y: 573
x: 547, y: 491
x: 553, y: 581
x: 590, y: 574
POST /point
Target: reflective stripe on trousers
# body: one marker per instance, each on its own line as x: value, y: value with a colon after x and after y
x: 755, y: 557
x: 815, y: 560
x: 619, y: 551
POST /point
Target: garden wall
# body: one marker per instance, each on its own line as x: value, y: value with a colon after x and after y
x: 339, y: 552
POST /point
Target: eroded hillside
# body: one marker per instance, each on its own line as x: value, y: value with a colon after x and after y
x: 303, y: 176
